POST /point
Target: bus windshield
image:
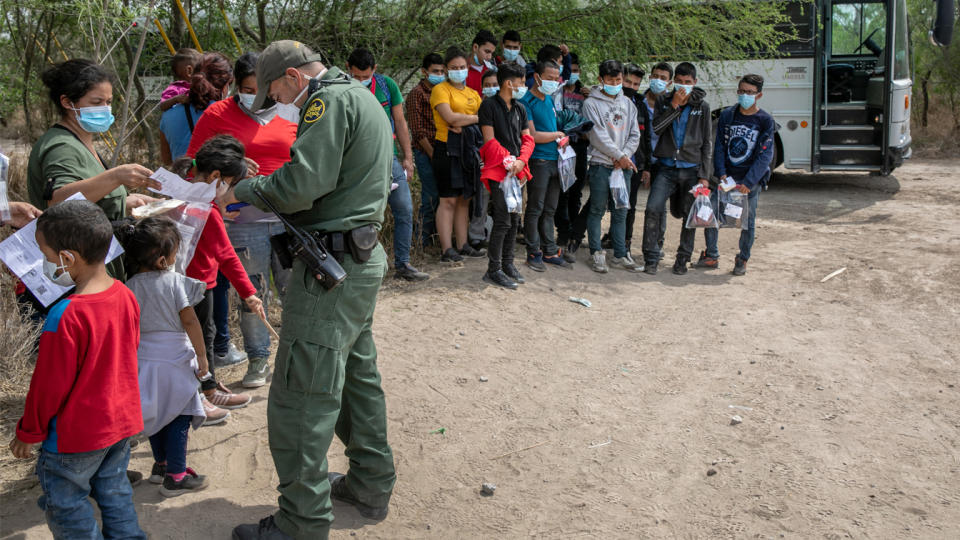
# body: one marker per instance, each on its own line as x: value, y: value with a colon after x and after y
x: 858, y: 29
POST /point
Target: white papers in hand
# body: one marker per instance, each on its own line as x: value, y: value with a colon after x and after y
x: 175, y: 187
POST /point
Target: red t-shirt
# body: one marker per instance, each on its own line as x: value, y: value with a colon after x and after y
x: 268, y: 145
x: 475, y: 78
x: 213, y: 253
x: 84, y: 394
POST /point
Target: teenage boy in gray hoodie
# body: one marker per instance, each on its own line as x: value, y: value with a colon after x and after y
x: 685, y: 155
x: 614, y: 138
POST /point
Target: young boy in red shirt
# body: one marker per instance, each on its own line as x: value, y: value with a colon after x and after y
x: 85, y: 379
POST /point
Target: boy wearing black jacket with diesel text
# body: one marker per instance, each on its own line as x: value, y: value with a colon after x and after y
x: 743, y: 153
x: 685, y: 155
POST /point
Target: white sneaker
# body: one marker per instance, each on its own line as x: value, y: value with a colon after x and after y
x: 599, y: 262
x: 215, y: 414
x: 627, y: 263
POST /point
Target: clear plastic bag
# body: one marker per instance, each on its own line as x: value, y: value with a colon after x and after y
x: 512, y: 193
x: 618, y: 190
x: 190, y: 219
x: 568, y: 172
x: 4, y: 203
x: 733, y: 209
x: 701, y: 213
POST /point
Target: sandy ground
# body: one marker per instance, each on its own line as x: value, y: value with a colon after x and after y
x: 606, y: 422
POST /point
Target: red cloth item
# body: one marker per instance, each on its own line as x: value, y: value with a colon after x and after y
x: 268, y: 145
x: 475, y: 78
x: 492, y: 153
x: 84, y: 394
x: 214, y: 252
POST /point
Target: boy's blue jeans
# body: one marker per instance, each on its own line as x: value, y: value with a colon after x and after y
x: 746, y: 235
x: 68, y: 479
x: 598, y: 177
x: 429, y: 198
x: 401, y: 205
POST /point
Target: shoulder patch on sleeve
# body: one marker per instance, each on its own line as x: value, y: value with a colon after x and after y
x: 52, y: 322
x: 314, y: 111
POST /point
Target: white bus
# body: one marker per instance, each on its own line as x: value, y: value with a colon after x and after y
x: 840, y: 101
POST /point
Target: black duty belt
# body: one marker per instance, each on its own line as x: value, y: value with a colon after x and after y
x: 359, y: 243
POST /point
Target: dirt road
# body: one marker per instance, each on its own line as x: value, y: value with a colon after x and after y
x: 606, y: 422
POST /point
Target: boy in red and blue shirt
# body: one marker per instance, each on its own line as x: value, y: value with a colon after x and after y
x: 85, y: 379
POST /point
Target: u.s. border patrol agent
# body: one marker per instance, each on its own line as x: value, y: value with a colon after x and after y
x: 325, y: 376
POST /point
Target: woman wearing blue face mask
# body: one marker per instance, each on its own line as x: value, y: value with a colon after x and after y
x: 210, y: 82
x: 64, y: 160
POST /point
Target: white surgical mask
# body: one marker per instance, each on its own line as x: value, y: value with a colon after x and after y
x: 490, y: 91
x: 50, y: 270
x: 246, y: 100
x: 222, y: 188
x: 687, y: 88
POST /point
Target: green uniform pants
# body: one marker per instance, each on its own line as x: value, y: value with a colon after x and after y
x: 326, y: 381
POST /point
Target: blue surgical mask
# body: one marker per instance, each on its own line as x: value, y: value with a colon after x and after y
x: 687, y: 88
x: 246, y: 100
x: 612, y: 89
x: 518, y: 93
x: 658, y: 86
x: 511, y: 55
x: 457, y: 75
x: 549, y: 87
x: 490, y: 91
x: 94, y: 119
x: 436, y: 79
x: 746, y: 101
x: 50, y: 270
x: 366, y: 82
x: 574, y: 77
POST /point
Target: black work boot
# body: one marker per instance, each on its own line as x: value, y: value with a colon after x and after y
x: 339, y: 491
x: 511, y: 272
x: 680, y: 265
x: 265, y: 530
x: 500, y: 279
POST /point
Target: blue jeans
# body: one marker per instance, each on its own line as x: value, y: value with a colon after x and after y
x: 68, y: 479
x: 169, y: 445
x: 746, y: 235
x: 251, y: 241
x: 429, y: 198
x: 599, y: 178
x: 667, y: 181
x: 401, y: 205
x: 221, y: 314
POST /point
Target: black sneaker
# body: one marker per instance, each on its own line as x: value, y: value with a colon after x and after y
x: 190, y: 482
x: 451, y: 255
x: 535, y: 262
x: 468, y: 251
x: 680, y: 266
x: 739, y: 266
x: 339, y: 491
x: 157, y: 473
x: 500, y: 279
x: 568, y: 256
x: 511, y: 271
x: 134, y: 477
x: 650, y: 268
x: 573, y: 246
x: 705, y: 261
x: 265, y: 530
x: 408, y: 272
x: 478, y: 244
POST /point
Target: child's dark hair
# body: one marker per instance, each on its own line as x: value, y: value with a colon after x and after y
x: 79, y: 226
x: 145, y: 241
x: 361, y: 59
x: 74, y: 78
x: 488, y: 74
x: 452, y: 54
x: 753, y: 80
x: 220, y: 153
x: 511, y: 35
x: 686, y: 69
x: 245, y: 66
x: 483, y: 37
x: 633, y: 69
x: 662, y: 66
x: 543, y: 66
x: 212, y: 75
x: 184, y: 56
x: 509, y: 71
x: 431, y: 59
x: 549, y: 52
x: 611, y: 68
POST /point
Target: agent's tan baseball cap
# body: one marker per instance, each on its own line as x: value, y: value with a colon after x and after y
x: 273, y: 63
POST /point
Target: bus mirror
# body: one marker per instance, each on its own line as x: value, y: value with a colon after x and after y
x: 942, y: 31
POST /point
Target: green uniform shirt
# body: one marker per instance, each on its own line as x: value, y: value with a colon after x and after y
x: 59, y: 155
x: 338, y: 177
